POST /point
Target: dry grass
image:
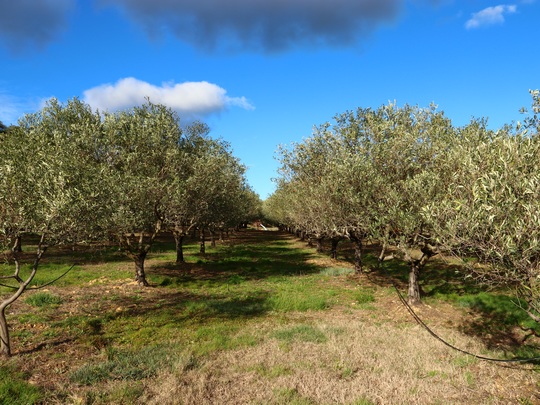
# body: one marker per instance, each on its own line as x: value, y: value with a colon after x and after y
x: 360, y: 361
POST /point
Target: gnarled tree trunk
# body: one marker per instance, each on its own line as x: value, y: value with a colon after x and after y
x: 140, y: 275
x: 333, y: 250
x: 202, y: 249
x: 179, y: 245
x: 357, y: 243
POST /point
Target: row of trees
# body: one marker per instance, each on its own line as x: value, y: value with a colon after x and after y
x: 70, y: 174
x: 406, y: 177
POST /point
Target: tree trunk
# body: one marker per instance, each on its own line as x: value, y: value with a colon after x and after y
x: 179, y: 242
x: 202, y: 242
x: 357, y: 242
x: 5, y: 346
x: 333, y: 251
x: 18, y: 244
x: 319, y: 245
x: 213, y: 239
x: 413, y: 293
x: 140, y: 275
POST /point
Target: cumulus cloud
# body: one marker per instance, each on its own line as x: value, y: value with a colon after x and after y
x: 268, y: 25
x: 31, y: 22
x: 189, y: 99
x: 490, y: 16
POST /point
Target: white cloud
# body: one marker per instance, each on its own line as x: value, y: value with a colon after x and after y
x: 490, y: 16
x: 189, y: 99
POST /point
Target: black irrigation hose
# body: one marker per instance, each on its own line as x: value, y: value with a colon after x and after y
x: 432, y: 333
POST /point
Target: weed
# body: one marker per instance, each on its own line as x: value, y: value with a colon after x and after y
x: 362, y: 401
x: 43, y: 299
x: 271, y: 372
x: 122, y: 365
x: 364, y: 297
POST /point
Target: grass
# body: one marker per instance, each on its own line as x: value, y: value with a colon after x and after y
x: 122, y: 365
x: 301, y: 333
x: 14, y: 390
x: 258, y: 319
x: 43, y: 299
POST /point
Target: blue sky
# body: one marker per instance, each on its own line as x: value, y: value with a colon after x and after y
x: 264, y: 72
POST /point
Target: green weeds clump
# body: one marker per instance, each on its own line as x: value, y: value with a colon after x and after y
x: 43, y: 299
x: 122, y: 365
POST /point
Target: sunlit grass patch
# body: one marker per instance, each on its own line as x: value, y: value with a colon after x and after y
x: 216, y: 337
x: 43, y: 299
x: 336, y: 271
x: 364, y: 296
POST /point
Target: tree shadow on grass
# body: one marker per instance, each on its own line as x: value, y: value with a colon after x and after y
x: 262, y: 255
x: 499, y: 322
x: 182, y: 308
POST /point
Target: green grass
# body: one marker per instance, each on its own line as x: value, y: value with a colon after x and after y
x: 43, y: 299
x: 123, y: 365
x: 14, y: 390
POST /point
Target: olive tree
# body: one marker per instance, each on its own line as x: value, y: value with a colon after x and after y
x: 142, y: 148
x: 492, y: 210
x: 49, y: 186
x: 369, y: 176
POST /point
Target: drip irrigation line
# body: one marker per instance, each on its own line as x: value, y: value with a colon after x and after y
x: 436, y: 336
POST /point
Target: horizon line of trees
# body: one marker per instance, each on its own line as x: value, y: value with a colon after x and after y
x: 69, y: 174
x: 419, y: 186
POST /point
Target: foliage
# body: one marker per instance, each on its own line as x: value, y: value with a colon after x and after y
x: 48, y: 187
x: 368, y: 176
